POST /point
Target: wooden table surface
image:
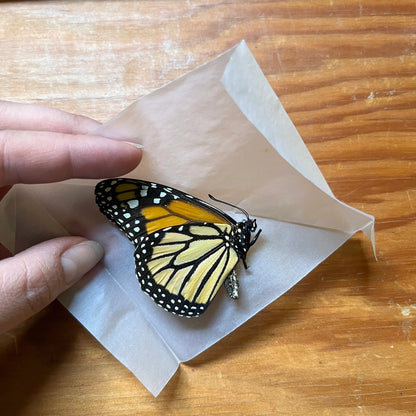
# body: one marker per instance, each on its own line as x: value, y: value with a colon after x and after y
x: 342, y: 341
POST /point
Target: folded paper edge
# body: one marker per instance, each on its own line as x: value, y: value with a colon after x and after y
x: 232, y: 79
x: 231, y: 84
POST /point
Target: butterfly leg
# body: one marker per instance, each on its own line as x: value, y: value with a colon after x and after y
x: 231, y: 285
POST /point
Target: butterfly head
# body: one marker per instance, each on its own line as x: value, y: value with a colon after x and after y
x: 242, y: 237
x: 251, y: 224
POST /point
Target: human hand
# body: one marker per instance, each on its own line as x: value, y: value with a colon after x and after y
x: 38, y: 145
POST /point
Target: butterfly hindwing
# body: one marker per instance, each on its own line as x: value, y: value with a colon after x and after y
x: 182, y: 267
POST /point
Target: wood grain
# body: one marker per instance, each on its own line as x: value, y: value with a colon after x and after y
x: 342, y: 341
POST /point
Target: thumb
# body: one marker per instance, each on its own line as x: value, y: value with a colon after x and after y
x: 35, y: 277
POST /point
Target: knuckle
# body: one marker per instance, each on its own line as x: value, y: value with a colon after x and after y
x: 77, y: 124
x: 38, y: 288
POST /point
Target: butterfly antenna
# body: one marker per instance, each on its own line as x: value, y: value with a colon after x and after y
x: 230, y: 205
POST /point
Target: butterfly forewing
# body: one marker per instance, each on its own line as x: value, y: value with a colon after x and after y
x: 141, y: 208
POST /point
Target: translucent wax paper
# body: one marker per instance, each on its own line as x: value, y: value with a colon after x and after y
x: 219, y: 129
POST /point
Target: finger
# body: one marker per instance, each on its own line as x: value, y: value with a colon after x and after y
x: 16, y: 116
x: 38, y: 157
x: 35, y: 277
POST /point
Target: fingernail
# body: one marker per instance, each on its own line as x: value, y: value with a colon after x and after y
x: 79, y: 259
x: 139, y: 146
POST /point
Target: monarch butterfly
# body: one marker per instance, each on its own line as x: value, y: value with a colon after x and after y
x: 185, y: 248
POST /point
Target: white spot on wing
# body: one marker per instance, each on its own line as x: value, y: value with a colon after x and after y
x: 134, y: 203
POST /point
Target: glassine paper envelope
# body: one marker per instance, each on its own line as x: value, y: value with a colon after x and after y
x: 219, y: 129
